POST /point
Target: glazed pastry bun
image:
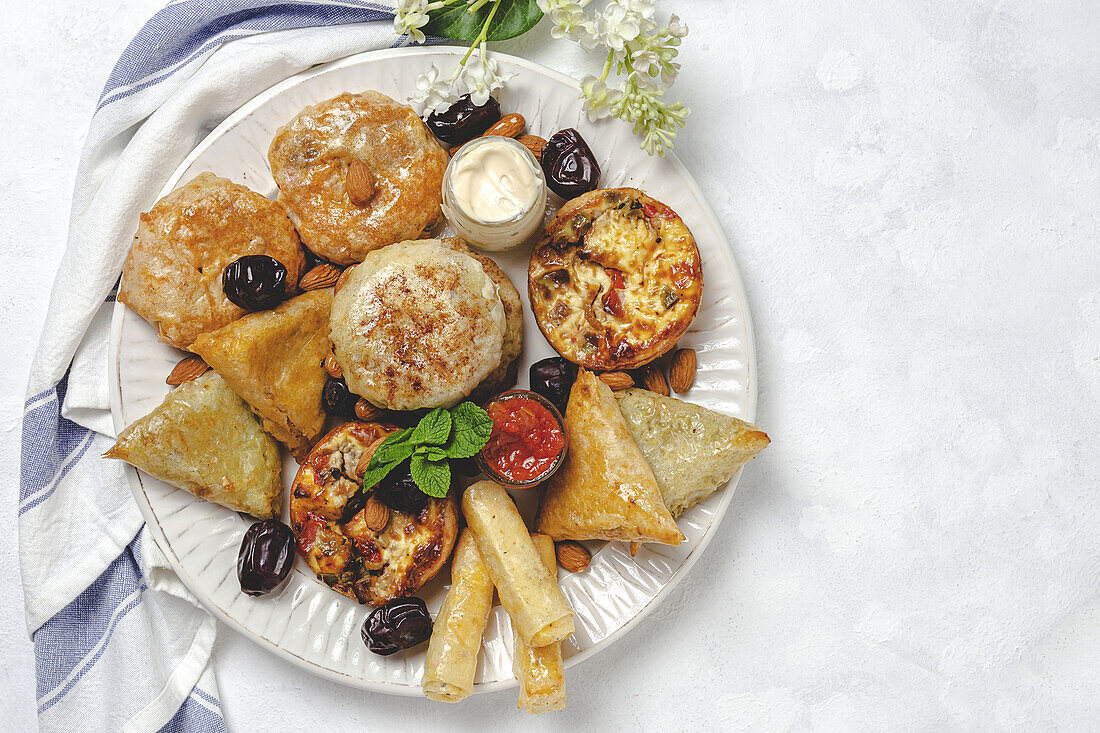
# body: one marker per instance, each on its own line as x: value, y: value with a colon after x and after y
x: 401, y: 176
x: 419, y: 325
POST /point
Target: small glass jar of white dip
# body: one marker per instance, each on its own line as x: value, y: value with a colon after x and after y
x: 494, y: 192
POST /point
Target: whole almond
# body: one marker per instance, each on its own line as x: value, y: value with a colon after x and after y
x: 366, y: 456
x: 654, y: 380
x: 360, y: 183
x: 333, y: 367
x: 320, y: 277
x: 534, y: 143
x: 510, y: 125
x: 573, y: 556
x: 617, y: 380
x: 186, y: 369
x: 682, y: 372
x: 376, y: 515
x: 366, y: 412
x: 341, y: 280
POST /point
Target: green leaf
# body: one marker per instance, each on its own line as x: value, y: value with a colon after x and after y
x: 472, y: 428
x: 374, y: 473
x: 433, y: 429
x: 433, y: 477
x: 512, y: 18
x: 396, y: 447
x: 432, y: 452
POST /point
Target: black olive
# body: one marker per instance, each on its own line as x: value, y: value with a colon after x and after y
x: 463, y: 120
x: 255, y: 282
x: 553, y: 378
x: 337, y: 399
x: 570, y: 167
x: 266, y: 557
x: 399, y: 492
x: 399, y: 625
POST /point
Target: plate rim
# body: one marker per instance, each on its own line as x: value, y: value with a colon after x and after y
x: 134, y: 477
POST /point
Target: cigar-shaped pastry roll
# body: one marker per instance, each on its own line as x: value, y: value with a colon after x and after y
x: 529, y: 594
x: 539, y: 668
x: 456, y: 636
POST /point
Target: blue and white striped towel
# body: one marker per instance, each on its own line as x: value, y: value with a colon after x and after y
x: 120, y: 644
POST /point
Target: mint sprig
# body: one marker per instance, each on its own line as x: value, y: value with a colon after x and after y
x: 472, y: 428
x: 440, y: 437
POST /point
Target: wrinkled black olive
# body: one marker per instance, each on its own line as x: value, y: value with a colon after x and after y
x: 463, y: 120
x: 553, y: 378
x: 266, y: 557
x: 337, y: 399
x: 255, y: 282
x: 399, y: 625
x: 570, y: 167
x: 399, y: 492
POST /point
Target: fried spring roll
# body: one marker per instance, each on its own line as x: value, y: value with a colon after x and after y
x: 536, y: 605
x: 539, y: 669
x: 456, y: 636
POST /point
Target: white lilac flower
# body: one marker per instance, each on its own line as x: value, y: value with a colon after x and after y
x: 599, y: 99
x: 643, y: 8
x: 642, y: 12
x: 409, y: 17
x: 433, y: 93
x: 616, y: 27
x: 480, y: 77
x: 549, y: 6
x: 676, y: 29
x: 570, y: 22
x: 653, y: 55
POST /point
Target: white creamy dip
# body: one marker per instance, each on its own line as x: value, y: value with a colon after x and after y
x: 494, y: 193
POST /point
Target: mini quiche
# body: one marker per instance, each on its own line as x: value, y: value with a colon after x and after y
x: 615, y: 280
x: 334, y: 530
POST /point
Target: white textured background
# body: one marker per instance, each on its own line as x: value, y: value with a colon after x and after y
x: 912, y: 190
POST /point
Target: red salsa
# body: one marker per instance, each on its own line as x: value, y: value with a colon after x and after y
x: 526, y: 440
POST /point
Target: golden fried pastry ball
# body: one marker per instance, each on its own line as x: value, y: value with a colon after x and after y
x: 310, y: 158
x: 173, y: 274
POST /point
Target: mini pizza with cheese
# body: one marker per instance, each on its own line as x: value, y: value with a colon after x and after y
x: 367, y: 551
x: 615, y: 279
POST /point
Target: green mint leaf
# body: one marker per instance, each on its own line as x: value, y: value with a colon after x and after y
x: 472, y: 428
x: 512, y: 18
x: 432, y: 452
x: 433, y: 429
x: 374, y: 473
x: 433, y: 477
x: 396, y: 447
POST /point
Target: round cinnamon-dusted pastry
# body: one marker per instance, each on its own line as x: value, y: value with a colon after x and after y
x: 398, y: 194
x: 615, y: 280
x: 173, y: 273
x: 354, y: 543
x: 505, y: 373
x: 419, y: 325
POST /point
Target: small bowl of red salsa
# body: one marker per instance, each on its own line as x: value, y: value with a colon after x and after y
x: 528, y: 442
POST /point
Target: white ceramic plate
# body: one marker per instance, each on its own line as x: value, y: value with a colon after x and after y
x: 312, y: 625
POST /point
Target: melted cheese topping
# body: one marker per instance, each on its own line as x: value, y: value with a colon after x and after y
x: 369, y: 566
x: 615, y: 280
